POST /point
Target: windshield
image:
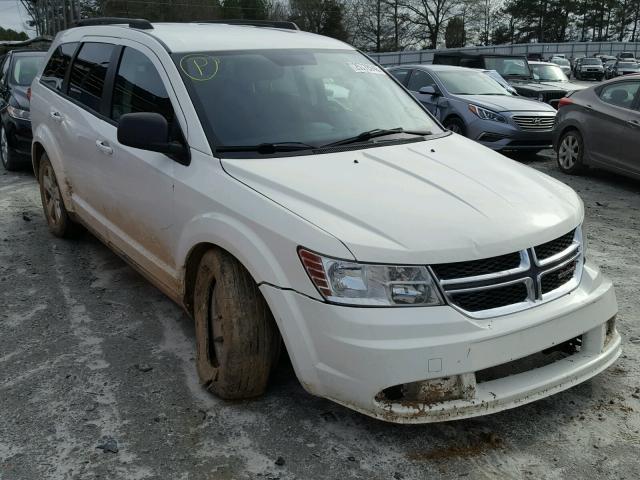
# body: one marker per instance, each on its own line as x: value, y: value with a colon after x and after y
x: 465, y: 82
x: 548, y: 73
x: 591, y: 61
x: 25, y: 69
x: 561, y: 61
x: 312, y: 97
x: 508, y: 67
x: 632, y: 65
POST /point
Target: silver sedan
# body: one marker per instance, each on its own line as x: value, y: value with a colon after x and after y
x: 470, y: 103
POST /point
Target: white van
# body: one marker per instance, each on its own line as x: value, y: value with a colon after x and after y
x: 286, y: 191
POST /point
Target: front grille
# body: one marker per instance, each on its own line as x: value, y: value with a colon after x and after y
x: 515, y: 281
x: 556, y: 278
x: 447, y: 271
x: 534, y: 123
x: 549, y: 249
x: 491, y: 298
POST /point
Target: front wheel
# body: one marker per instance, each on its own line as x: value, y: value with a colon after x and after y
x: 571, y: 153
x: 237, y: 340
x: 455, y: 125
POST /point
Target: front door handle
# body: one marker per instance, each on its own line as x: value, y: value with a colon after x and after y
x: 588, y: 108
x: 104, y: 147
x: 634, y: 123
x: 57, y: 116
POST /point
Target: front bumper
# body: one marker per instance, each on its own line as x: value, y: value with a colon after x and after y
x: 350, y: 355
x: 508, y: 137
x: 592, y: 74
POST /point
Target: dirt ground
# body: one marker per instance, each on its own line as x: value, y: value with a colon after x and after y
x: 97, y: 379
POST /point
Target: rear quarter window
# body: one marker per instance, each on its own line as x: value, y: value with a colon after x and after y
x: 57, y: 66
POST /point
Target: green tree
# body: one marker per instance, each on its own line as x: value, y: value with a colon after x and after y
x: 455, y: 34
x: 12, y: 35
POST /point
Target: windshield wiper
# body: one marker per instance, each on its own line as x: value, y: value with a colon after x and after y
x: 375, y: 133
x: 267, y: 148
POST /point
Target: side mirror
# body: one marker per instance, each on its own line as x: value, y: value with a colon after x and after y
x: 150, y: 131
x: 428, y: 90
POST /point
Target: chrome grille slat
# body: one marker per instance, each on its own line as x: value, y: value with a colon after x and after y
x: 532, y: 282
x: 534, y: 123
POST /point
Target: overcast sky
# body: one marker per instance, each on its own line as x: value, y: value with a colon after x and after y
x: 12, y: 15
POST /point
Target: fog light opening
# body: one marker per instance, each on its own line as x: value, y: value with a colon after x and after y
x: 437, y: 390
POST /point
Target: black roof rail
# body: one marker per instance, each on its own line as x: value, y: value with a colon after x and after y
x: 258, y: 23
x: 139, y: 23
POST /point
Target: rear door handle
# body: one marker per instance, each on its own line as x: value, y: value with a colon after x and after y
x: 588, y: 107
x: 634, y: 123
x: 104, y: 147
x: 57, y: 116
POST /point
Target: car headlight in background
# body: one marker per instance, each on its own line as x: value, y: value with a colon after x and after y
x: 18, y: 114
x: 350, y: 283
x: 485, y: 114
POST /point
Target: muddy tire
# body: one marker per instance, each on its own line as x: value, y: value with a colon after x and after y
x: 237, y: 340
x: 60, y: 224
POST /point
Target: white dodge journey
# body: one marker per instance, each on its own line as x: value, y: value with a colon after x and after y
x: 289, y: 193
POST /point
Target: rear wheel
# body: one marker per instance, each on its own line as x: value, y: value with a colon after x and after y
x: 60, y: 224
x: 571, y: 153
x: 237, y: 340
x: 7, y: 154
x: 455, y: 125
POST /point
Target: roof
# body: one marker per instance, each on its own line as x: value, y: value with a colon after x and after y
x: 439, y: 68
x: 531, y: 62
x: 201, y: 37
x: 475, y: 55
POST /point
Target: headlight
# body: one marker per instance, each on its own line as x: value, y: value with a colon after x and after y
x: 350, y: 283
x: 485, y: 114
x: 19, y: 114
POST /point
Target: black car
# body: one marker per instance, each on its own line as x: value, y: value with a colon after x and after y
x: 589, y: 68
x: 513, y: 68
x: 17, y: 71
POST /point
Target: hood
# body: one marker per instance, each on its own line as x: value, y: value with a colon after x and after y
x: 544, y: 86
x: 504, y: 103
x: 442, y: 200
x: 20, y: 99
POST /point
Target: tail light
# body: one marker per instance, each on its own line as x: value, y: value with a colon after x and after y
x: 564, y: 102
x: 29, y: 93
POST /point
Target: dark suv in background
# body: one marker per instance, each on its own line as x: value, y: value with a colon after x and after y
x: 513, y: 68
x: 17, y: 70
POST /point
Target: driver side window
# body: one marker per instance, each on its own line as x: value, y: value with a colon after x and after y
x: 419, y: 79
x: 138, y: 87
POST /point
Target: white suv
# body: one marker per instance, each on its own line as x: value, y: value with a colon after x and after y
x: 283, y: 188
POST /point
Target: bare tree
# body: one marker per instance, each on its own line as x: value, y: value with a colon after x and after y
x: 432, y: 16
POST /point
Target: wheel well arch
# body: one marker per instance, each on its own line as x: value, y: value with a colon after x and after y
x: 37, y: 149
x: 190, y: 270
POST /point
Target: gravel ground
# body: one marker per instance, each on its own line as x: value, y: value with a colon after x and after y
x: 97, y: 379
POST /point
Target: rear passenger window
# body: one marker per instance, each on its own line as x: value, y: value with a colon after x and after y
x: 88, y: 73
x: 56, y: 68
x: 139, y: 88
x: 620, y: 94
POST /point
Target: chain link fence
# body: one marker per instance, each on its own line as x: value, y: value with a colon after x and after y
x: 547, y: 50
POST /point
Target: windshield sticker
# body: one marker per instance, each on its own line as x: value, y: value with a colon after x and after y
x: 366, y: 68
x: 200, y: 67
